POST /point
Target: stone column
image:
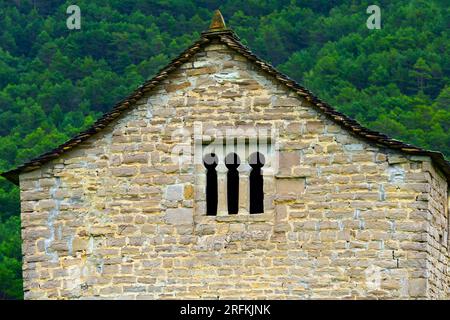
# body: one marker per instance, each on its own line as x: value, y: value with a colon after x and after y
x: 244, y: 188
x: 222, y: 190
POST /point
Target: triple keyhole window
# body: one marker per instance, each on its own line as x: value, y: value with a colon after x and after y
x: 232, y: 163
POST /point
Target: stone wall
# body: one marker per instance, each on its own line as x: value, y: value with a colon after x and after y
x: 437, y: 216
x: 115, y: 218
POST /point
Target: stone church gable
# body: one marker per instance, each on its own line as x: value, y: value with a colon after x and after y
x: 228, y: 38
x: 347, y: 212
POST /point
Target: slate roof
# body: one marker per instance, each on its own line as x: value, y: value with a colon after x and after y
x: 218, y: 31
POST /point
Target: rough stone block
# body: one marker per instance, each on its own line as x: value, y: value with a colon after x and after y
x: 179, y: 216
x: 124, y: 171
x: 174, y: 192
x: 314, y: 127
x: 135, y: 158
x: 288, y: 160
x: 417, y: 287
x: 290, y: 187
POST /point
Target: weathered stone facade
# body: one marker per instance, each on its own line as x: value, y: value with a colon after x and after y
x: 345, y: 218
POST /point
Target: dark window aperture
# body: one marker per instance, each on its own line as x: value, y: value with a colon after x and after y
x: 256, y: 161
x: 210, y: 161
x: 232, y: 162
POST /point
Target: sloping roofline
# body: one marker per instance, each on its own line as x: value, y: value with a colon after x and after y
x: 229, y: 38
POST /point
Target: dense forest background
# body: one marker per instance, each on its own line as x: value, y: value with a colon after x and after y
x: 54, y: 82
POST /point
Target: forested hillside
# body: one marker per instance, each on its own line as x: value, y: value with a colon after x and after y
x: 54, y: 81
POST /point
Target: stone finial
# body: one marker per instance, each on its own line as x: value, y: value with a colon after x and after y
x: 217, y: 22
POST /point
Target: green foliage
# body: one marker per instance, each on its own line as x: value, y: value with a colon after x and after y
x: 10, y: 259
x: 55, y: 82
